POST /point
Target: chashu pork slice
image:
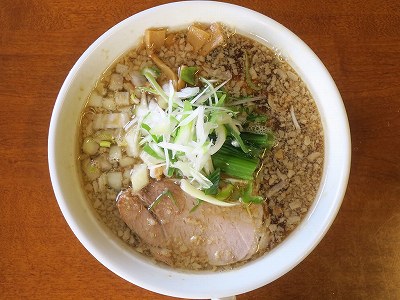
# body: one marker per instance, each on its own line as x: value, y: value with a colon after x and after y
x: 207, y: 236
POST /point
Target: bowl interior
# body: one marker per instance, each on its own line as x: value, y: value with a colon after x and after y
x: 108, y: 249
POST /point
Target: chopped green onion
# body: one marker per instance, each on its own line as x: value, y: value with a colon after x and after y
x: 148, y: 129
x: 196, y: 206
x: 105, y: 144
x: 259, y: 140
x: 236, y: 134
x: 213, y: 91
x: 214, y: 177
x: 225, y: 192
x: 221, y: 99
x: 256, y: 118
x: 247, y: 197
x: 167, y: 193
x: 151, y: 74
x: 235, y: 163
x: 207, y: 92
x: 171, y: 171
x: 187, y: 74
x: 152, y: 152
x: 151, y: 71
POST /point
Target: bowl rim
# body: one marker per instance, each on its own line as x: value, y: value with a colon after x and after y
x: 292, y: 260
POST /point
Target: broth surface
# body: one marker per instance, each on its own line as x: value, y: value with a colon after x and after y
x: 290, y: 174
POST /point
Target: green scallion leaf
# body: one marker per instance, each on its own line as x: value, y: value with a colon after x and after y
x: 167, y: 193
x: 237, y: 137
x: 171, y: 171
x: 187, y: 74
x: 259, y: 140
x: 105, y: 144
x: 256, y: 118
x: 247, y: 197
x: 154, y: 137
x: 150, y: 151
x: 151, y: 74
x: 225, y: 192
x: 221, y: 99
x: 196, y: 206
x: 234, y: 162
x: 214, y: 177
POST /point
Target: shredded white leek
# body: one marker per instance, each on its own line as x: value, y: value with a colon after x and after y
x: 179, y: 136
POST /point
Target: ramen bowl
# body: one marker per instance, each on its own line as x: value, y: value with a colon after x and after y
x: 107, y: 248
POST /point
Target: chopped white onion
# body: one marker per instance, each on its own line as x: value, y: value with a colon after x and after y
x: 115, y: 153
x: 139, y: 177
x: 114, y: 180
x: 116, y: 82
x: 126, y: 161
x: 138, y: 79
x: 103, y: 162
x: 108, y: 121
x: 89, y: 146
x: 95, y: 100
x: 132, y: 140
x: 121, y: 98
x: 121, y: 69
x: 127, y: 174
x: 91, y: 169
x: 109, y: 104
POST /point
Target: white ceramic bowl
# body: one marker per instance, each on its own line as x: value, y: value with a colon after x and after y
x: 108, y: 249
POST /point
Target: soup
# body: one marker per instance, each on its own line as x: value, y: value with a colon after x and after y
x: 201, y: 148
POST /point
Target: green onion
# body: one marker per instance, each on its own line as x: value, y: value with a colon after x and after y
x: 247, y: 196
x: 167, y: 193
x: 214, y: 177
x: 225, y: 192
x: 187, y: 74
x: 154, y: 137
x: 229, y: 150
x: 171, y: 171
x: 151, y: 74
x: 188, y: 132
x: 221, y: 100
x: 256, y: 118
x: 236, y: 135
x: 151, y: 151
x: 105, y: 144
x: 258, y: 140
x: 196, y: 205
x: 235, y: 163
x: 92, y: 168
